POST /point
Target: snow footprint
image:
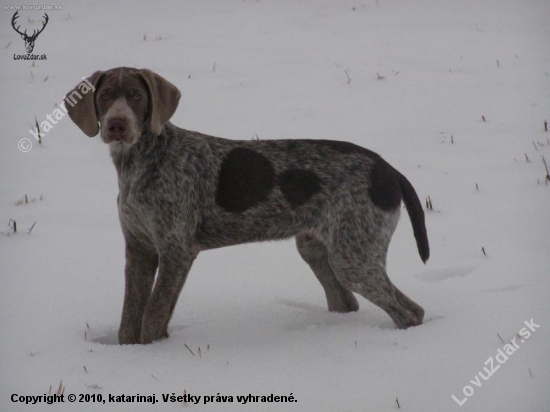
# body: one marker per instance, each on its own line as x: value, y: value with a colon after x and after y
x: 438, y: 275
x: 104, y: 336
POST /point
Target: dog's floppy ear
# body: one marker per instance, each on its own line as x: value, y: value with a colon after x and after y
x: 81, y: 106
x: 164, y: 99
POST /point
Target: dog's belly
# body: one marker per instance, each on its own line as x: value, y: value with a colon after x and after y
x: 227, y: 229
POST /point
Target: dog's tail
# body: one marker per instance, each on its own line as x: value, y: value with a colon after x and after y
x: 416, y: 214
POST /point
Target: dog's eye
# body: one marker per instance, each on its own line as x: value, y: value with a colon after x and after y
x: 105, y: 96
x: 137, y: 96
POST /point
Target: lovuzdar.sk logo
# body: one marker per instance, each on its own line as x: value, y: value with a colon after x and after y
x: 29, y: 39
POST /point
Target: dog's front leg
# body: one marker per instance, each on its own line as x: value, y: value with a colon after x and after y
x: 141, y: 266
x: 173, y: 269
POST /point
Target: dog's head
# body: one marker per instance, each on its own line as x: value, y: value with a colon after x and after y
x: 122, y: 104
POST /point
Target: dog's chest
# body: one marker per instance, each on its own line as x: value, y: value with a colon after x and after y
x: 133, y: 213
x: 138, y: 204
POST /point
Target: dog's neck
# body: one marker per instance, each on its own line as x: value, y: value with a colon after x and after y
x: 148, y: 152
x: 125, y: 155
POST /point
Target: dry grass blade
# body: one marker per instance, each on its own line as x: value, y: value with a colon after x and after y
x: 32, y: 227
x: 189, y: 349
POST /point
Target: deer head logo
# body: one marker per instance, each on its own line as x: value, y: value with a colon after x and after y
x: 29, y: 40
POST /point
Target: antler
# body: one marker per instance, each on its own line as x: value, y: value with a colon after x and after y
x: 36, y: 33
x: 15, y: 16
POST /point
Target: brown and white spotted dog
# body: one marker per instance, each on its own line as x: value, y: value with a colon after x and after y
x: 182, y: 192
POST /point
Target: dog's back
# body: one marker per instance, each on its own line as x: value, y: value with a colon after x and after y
x: 255, y: 190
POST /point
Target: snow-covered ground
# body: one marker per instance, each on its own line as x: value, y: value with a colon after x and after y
x: 454, y: 94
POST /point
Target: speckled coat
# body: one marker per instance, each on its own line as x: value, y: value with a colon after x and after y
x: 182, y: 192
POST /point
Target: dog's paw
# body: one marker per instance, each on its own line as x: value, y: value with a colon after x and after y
x: 153, y: 336
x: 128, y: 340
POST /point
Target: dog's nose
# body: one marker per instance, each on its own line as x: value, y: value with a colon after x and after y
x: 117, y: 127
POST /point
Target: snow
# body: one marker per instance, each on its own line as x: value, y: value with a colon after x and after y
x: 277, y: 69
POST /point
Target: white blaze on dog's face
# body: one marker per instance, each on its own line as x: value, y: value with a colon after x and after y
x: 122, y: 107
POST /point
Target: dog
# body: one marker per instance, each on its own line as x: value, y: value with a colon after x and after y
x: 181, y: 192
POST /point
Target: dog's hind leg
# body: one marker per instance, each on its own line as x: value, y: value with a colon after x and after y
x: 374, y: 285
x: 372, y: 282
x: 357, y: 253
x: 406, y: 302
x: 315, y: 254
